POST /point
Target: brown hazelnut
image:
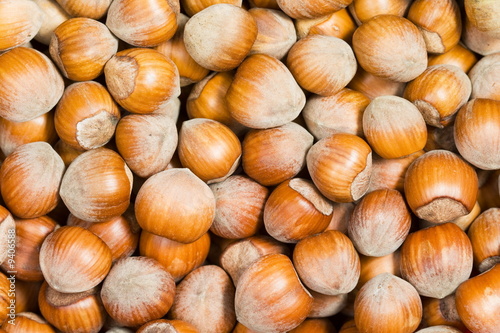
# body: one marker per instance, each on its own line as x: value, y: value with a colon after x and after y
x: 267, y: 99
x: 81, y: 47
x: 429, y: 259
x: 340, y: 166
x: 86, y: 116
x: 391, y: 47
x: 30, y: 178
x: 220, y: 36
x: 205, y: 299
x: 30, y: 84
x: 142, y: 24
x: 273, y: 155
x: 150, y: 291
x: 97, y: 185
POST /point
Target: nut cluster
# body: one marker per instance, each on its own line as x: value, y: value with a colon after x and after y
x: 248, y: 166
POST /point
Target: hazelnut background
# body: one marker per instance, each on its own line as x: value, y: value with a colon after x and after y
x: 225, y: 166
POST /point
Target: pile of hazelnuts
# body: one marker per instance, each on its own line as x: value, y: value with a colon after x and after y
x: 222, y: 166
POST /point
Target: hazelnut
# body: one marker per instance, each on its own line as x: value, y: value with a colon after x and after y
x: 459, y: 56
x: 439, y: 21
x: 478, y: 303
x: 177, y: 258
x: 484, y: 76
x: 439, y: 92
x: 267, y: 99
x: 81, y: 311
x: 340, y: 166
x: 275, y: 32
x: 192, y: 7
x: 441, y: 312
x: 363, y: 10
x: 73, y: 260
x: 30, y: 178
x: 150, y: 291
x: 220, y: 36
x: 440, y: 186
x: 81, y: 47
x: 97, y: 185
x: 327, y: 263
x: 142, y: 80
x: 476, y: 134
x: 14, y: 134
x: 387, y: 303
x: 30, y: 235
x: 379, y: 223
x: 296, y: 209
x: 20, y: 22
x: 429, y: 259
x: 147, y: 142
x: 90, y: 8
x: 339, y: 113
x: 484, y: 235
x: 394, y: 127
x: 273, y: 155
x: 239, y: 207
x: 175, y: 204
x: 205, y: 299
x: 28, y: 322
x: 283, y: 309
x: 142, y: 24
x: 86, y: 116
x: 30, y: 84
x: 322, y: 64
x: 483, y: 14
x: 338, y: 24
x: 209, y: 149
x: 309, y: 9
x: 391, y: 47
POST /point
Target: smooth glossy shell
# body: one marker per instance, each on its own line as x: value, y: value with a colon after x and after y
x: 97, y: 185
x: 81, y: 47
x: 280, y: 310
x: 440, y: 186
x: 267, y: 99
x: 30, y: 84
x: 429, y: 259
x: 175, y: 204
x: 20, y: 21
x: 142, y: 80
x: 208, y: 290
x: 142, y: 23
x: 30, y: 178
x: 477, y: 133
x: 340, y: 166
x: 391, y: 47
x: 220, y: 36
x: 74, y: 260
x: 388, y: 304
x: 86, y: 116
